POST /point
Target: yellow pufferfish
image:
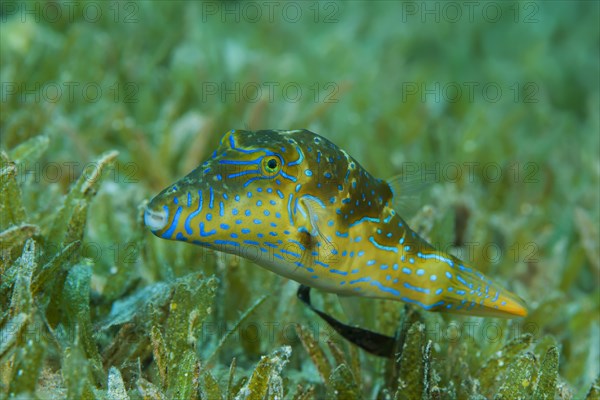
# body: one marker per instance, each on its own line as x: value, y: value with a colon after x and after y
x: 295, y: 203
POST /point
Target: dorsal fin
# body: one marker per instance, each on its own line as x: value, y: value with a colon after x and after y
x: 407, y: 193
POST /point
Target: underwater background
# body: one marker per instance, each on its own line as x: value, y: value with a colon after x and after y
x: 495, y: 105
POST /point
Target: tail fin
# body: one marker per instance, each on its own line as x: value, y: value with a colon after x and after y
x: 470, y: 292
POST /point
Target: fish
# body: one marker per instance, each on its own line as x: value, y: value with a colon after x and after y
x: 293, y: 202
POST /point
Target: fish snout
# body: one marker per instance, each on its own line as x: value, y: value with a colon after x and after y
x: 156, y: 219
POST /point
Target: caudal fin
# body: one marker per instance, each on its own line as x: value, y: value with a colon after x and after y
x: 470, y: 292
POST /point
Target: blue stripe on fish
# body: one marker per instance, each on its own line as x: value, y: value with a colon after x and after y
x: 174, y: 223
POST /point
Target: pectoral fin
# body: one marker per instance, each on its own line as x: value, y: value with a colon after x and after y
x: 316, y: 214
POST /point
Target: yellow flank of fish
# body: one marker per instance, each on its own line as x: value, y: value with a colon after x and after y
x: 298, y: 205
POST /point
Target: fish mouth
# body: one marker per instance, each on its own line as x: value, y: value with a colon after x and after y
x: 156, y: 219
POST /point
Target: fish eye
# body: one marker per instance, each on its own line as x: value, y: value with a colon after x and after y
x: 271, y: 165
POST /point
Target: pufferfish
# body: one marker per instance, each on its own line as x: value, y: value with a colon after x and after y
x: 296, y: 204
